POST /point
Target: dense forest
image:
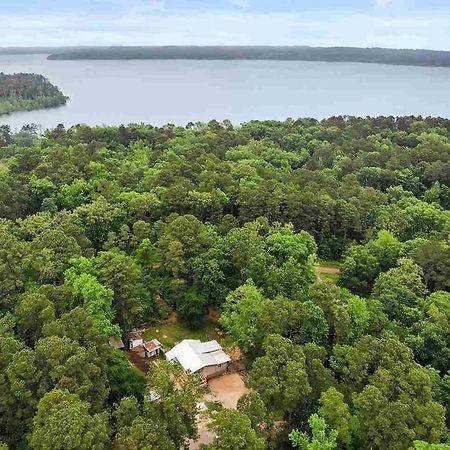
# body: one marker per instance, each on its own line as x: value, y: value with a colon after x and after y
x: 26, y: 92
x: 40, y: 50
x: 109, y: 228
x: 286, y: 53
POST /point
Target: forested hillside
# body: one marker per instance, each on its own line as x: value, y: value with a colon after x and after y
x: 27, y: 91
x: 407, y: 57
x: 107, y: 229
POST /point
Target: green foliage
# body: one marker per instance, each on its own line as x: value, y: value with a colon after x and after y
x: 430, y: 336
x: 120, y: 273
x: 401, y: 291
x: 347, y: 315
x: 412, y: 218
x: 281, y: 376
x: 421, y: 445
x: 364, y: 263
x: 63, y: 422
x: 394, y: 397
x: 336, y: 414
x: 12, y: 251
x: 233, y: 430
x: 192, y: 309
x: 241, y: 317
x: 433, y: 257
x: 26, y: 92
x: 33, y: 311
x: 320, y: 439
x: 167, y: 417
x: 254, y: 408
x: 64, y: 364
x: 96, y: 298
x: 124, y: 380
x: 107, y: 229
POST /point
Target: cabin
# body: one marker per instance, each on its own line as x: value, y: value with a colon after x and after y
x: 206, y: 359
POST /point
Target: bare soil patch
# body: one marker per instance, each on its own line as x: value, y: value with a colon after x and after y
x: 137, y: 361
x: 227, y: 389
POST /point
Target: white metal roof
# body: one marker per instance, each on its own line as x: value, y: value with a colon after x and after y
x: 194, y: 355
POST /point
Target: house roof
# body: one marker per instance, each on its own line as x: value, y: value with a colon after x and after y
x: 116, y: 342
x: 194, y: 355
x: 152, y: 345
x: 134, y: 335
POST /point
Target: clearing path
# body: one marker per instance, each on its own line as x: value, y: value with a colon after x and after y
x: 323, y: 271
x: 205, y: 435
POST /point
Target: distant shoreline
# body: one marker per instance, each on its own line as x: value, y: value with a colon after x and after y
x: 407, y: 57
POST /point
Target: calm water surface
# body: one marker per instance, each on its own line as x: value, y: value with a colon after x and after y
x: 158, y: 92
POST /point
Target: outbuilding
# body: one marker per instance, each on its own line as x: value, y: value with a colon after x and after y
x: 152, y: 348
x: 135, y: 340
x: 146, y: 349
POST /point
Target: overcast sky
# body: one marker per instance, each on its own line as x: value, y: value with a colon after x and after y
x: 362, y: 23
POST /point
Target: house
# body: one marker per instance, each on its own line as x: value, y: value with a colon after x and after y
x: 207, y: 359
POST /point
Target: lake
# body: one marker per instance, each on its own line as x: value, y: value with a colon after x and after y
x: 159, y: 92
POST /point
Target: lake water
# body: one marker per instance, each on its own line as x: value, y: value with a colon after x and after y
x: 159, y: 92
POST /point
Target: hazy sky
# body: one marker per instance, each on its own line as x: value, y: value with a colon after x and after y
x: 386, y: 23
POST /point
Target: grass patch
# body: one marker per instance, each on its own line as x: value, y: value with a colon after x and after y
x: 214, y: 406
x: 171, y: 333
x: 329, y: 263
x: 331, y: 277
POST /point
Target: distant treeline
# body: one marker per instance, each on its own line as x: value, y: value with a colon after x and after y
x: 26, y: 92
x: 330, y: 54
x: 39, y: 50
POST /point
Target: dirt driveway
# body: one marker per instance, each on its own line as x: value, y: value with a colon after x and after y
x: 205, y: 435
x: 227, y: 390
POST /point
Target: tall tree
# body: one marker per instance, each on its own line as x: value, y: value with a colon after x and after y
x: 120, y: 272
x: 63, y: 422
x: 321, y: 439
x: 233, y: 430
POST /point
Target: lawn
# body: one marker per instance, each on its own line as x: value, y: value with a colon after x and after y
x: 328, y: 270
x: 173, y: 332
x: 331, y: 277
x: 329, y: 263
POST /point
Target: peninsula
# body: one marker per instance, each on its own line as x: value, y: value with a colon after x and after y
x: 28, y: 91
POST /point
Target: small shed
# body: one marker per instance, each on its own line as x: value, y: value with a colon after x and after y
x: 135, y: 340
x: 152, y: 348
x: 147, y: 349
